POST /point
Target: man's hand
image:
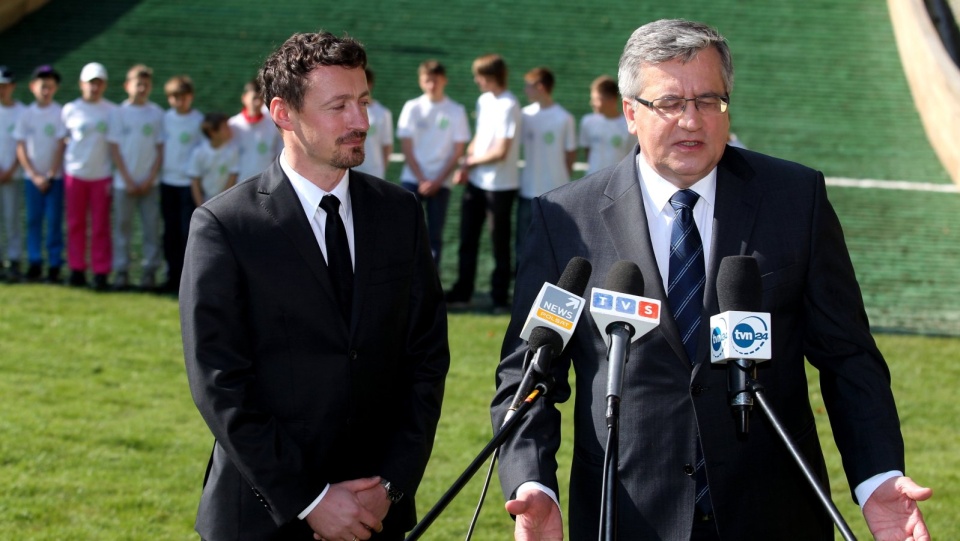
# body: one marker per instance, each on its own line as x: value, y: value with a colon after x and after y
x: 375, y: 500
x: 340, y: 515
x: 892, y: 514
x: 538, y: 517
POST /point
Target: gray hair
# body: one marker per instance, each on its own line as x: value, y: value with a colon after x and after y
x: 666, y: 40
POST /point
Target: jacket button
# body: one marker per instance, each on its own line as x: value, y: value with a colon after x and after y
x: 688, y: 469
x: 696, y: 389
x: 353, y: 355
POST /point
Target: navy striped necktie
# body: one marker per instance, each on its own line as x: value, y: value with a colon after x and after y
x: 686, y: 280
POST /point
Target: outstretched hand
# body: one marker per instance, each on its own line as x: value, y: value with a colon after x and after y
x: 892, y: 513
x: 538, y: 517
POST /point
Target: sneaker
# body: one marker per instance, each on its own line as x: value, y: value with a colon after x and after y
x: 13, y: 272
x: 100, y: 282
x: 53, y: 275
x: 121, y: 281
x: 148, y: 282
x: 34, y: 272
x: 78, y: 278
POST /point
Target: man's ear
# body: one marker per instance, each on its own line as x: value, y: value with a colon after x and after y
x: 281, y: 114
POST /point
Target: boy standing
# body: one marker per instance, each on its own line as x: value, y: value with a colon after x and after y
x: 181, y: 135
x: 491, y: 170
x: 379, y: 142
x: 87, y: 177
x: 10, y: 111
x: 215, y: 162
x: 255, y: 135
x: 40, y: 141
x: 434, y: 132
x: 603, y: 133
x: 549, y: 145
x: 136, y: 145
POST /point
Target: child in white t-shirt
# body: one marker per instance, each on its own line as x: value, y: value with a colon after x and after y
x: 215, y: 162
x: 549, y: 146
x: 88, y: 175
x: 40, y: 142
x: 255, y: 135
x: 603, y: 133
x: 379, y: 143
x: 181, y: 135
x: 136, y: 145
x: 10, y: 181
x: 434, y: 132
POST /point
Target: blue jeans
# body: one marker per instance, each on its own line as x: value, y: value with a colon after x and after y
x: 436, y: 210
x: 45, y: 207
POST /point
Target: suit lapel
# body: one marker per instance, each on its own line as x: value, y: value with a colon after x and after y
x: 280, y: 201
x: 626, y: 222
x: 363, y: 200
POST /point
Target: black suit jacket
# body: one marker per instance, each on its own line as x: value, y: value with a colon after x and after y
x: 294, y: 397
x: 771, y: 209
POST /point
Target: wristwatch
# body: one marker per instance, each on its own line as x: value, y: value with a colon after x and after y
x: 393, y: 493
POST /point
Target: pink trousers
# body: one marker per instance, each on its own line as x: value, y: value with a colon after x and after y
x: 89, y: 197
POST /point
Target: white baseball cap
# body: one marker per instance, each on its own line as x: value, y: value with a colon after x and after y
x: 93, y: 70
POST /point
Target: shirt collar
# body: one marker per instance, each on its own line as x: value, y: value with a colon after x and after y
x: 661, y: 190
x: 310, y: 194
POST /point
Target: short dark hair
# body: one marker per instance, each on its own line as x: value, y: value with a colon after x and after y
x: 212, y: 122
x: 543, y: 76
x: 605, y: 86
x: 284, y: 73
x: 253, y: 85
x: 178, y: 85
x: 493, y: 66
x: 432, y: 67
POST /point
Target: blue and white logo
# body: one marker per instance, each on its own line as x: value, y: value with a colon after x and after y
x: 750, y: 335
x: 602, y: 300
x: 626, y: 305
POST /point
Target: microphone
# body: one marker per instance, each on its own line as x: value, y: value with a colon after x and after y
x: 621, y: 316
x: 558, y: 307
x: 550, y: 324
x: 740, y: 333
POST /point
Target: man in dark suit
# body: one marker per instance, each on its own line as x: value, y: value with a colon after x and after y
x: 675, y: 78
x: 314, y: 330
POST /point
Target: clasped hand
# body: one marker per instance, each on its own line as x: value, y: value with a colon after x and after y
x: 350, y: 510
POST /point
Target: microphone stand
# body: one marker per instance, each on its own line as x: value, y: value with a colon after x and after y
x: 617, y: 355
x: 757, y: 389
x: 541, y: 388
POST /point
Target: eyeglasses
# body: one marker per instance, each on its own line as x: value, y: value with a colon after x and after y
x: 707, y: 105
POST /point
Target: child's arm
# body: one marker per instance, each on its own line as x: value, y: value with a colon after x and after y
x: 196, y: 190
x: 58, y: 157
x: 406, y: 146
x: 571, y: 156
x: 231, y: 181
x: 118, y: 162
x: 435, y: 184
x: 39, y: 180
x: 154, y: 171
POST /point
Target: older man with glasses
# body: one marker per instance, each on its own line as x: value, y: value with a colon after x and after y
x: 676, y: 206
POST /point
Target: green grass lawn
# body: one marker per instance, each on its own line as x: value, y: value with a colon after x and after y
x: 99, y: 438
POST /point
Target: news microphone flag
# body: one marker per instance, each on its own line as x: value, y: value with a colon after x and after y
x: 608, y: 307
x: 556, y: 309
x: 740, y: 335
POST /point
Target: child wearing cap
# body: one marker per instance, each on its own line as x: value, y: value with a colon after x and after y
x: 136, y: 145
x: 88, y: 174
x: 10, y: 183
x: 40, y: 143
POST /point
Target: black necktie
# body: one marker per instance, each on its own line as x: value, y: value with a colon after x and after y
x: 687, y: 277
x: 338, y: 255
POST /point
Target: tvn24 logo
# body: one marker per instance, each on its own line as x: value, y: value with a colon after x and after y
x: 743, y: 335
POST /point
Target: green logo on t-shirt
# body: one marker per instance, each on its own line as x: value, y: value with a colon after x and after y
x: 549, y: 138
x: 101, y: 127
x: 444, y: 123
x: 372, y: 130
x: 262, y: 147
x: 185, y: 138
x: 49, y: 130
x: 10, y: 128
x: 148, y: 129
x: 223, y: 170
x: 616, y: 140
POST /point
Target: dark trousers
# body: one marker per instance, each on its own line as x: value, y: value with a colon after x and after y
x: 436, y: 211
x: 176, y: 207
x: 476, y: 206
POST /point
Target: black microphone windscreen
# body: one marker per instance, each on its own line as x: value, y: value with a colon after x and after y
x: 575, y: 277
x: 625, y: 277
x: 544, y: 336
x: 739, y: 287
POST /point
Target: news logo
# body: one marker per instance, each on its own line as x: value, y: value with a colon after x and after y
x: 555, y: 309
x: 740, y: 335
